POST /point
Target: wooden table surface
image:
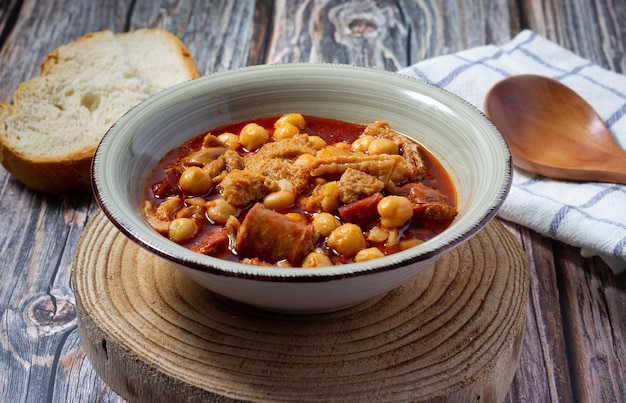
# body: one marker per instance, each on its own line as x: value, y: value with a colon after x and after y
x: 575, y: 337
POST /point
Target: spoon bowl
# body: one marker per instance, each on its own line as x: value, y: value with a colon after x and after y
x: 553, y: 132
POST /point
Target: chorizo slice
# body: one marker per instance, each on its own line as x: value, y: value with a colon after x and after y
x: 428, y: 203
x: 362, y: 211
x: 213, y: 243
x: 168, y: 186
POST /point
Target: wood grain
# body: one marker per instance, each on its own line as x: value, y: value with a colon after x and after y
x: 455, y: 331
x: 599, y: 301
x: 591, y: 29
x: 385, y: 34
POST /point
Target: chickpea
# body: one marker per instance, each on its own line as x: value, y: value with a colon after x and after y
x: 347, y: 239
x: 279, y: 200
x: 305, y: 160
x: 382, y: 146
x: 325, y: 223
x: 377, y: 234
x: 284, y: 184
x: 285, y: 130
x: 362, y: 143
x: 368, y: 254
x: 394, y: 211
x: 219, y: 210
x: 195, y: 181
x: 295, y: 119
x: 330, y: 196
x: 230, y: 139
x: 253, y: 136
x: 182, y: 229
x: 316, y: 259
x: 317, y: 142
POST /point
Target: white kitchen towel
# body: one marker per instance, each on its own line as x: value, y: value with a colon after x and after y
x: 591, y: 216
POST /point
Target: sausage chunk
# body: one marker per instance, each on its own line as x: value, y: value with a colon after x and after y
x: 428, y: 203
x: 361, y: 211
x: 271, y: 237
x: 215, y: 242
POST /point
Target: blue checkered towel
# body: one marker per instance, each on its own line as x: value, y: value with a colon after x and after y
x: 591, y: 216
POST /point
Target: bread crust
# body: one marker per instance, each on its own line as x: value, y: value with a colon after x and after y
x: 52, y: 175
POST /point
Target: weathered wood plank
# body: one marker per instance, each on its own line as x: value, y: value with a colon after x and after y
x: 46, y: 361
x: 217, y: 33
x: 587, y: 294
x: 207, y: 30
x: 591, y: 29
x: 384, y: 34
x: 593, y: 329
x: 37, y: 299
x: 9, y: 10
x: 39, y: 234
x: 544, y: 358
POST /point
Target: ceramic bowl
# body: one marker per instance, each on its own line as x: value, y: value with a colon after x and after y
x: 466, y: 143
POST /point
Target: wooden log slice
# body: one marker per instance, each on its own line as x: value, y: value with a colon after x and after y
x: 454, y: 332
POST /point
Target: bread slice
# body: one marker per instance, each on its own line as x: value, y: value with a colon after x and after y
x: 50, y: 133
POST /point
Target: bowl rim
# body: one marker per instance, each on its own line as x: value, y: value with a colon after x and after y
x: 177, y: 254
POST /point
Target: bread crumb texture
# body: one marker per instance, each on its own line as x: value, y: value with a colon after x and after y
x: 50, y: 133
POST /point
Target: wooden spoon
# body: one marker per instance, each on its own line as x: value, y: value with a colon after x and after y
x: 552, y: 131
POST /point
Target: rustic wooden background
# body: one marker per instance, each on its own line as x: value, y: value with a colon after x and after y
x: 575, y: 339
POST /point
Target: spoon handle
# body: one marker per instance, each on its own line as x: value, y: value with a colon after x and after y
x: 611, y: 169
x: 614, y: 168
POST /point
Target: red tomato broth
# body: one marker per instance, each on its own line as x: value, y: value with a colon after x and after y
x: 332, y: 131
